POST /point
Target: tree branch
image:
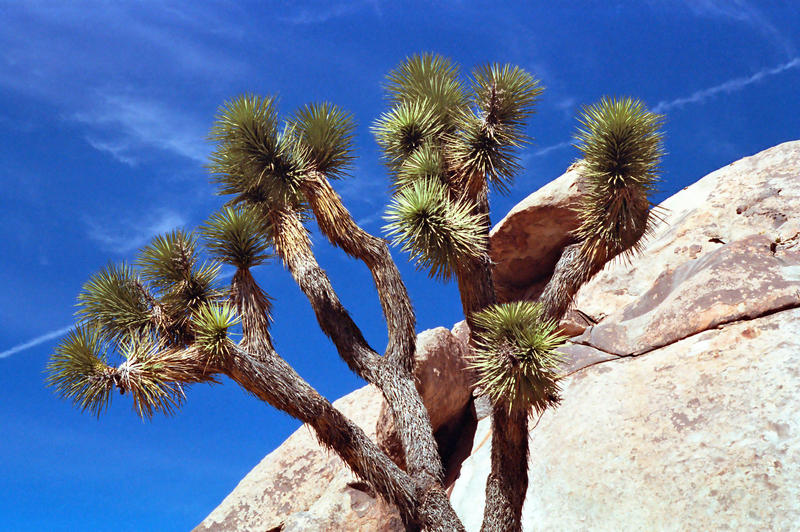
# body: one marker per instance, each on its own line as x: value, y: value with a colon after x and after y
x: 394, y: 380
x: 338, y: 226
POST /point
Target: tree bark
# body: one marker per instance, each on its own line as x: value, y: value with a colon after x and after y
x: 337, y: 225
x: 508, y: 480
x: 393, y: 379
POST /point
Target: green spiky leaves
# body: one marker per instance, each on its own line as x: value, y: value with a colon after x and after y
x: 169, y: 263
x: 325, y: 134
x: 506, y: 96
x: 432, y: 79
x: 516, y: 356
x: 622, y: 146
x: 211, y: 323
x: 114, y: 301
x: 235, y: 236
x: 427, y: 162
x: 487, y: 142
x: 441, y: 235
x: 253, y: 159
x: 406, y: 128
x: 477, y: 137
x: 78, y: 370
x: 148, y: 376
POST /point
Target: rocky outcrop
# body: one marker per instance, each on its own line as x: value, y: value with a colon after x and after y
x: 680, y: 408
x: 527, y: 243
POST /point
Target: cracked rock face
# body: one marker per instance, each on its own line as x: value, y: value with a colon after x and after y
x: 681, y: 409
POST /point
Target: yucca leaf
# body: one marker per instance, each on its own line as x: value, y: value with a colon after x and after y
x: 149, y: 379
x: 115, y: 301
x: 506, y: 96
x: 190, y: 293
x: 168, y: 259
x: 326, y: 132
x: 252, y: 156
x: 427, y: 162
x: 404, y: 129
x: 429, y: 77
x: 236, y: 236
x: 479, y: 152
x: 78, y: 370
x: 211, y: 325
x: 516, y: 356
x: 439, y: 234
x: 622, y: 146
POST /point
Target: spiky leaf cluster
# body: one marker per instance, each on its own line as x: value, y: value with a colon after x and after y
x: 253, y: 159
x: 440, y: 234
x: 406, y: 128
x: 148, y: 379
x: 325, y: 133
x: 236, y: 236
x: 516, y: 356
x: 432, y: 79
x: 169, y: 264
x: 434, y: 134
x: 506, y: 96
x: 78, y: 370
x: 162, y: 321
x: 487, y: 141
x: 211, y: 324
x: 115, y: 302
x: 622, y: 146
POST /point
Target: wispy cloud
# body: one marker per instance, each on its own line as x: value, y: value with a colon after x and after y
x: 729, y: 86
x: 132, y: 123
x: 329, y: 11
x: 123, y: 237
x: 541, y: 152
x: 33, y: 342
x: 744, y: 12
x: 121, y: 151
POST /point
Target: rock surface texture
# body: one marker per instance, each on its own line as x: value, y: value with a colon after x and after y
x: 680, y: 407
x: 681, y: 410
x: 527, y: 243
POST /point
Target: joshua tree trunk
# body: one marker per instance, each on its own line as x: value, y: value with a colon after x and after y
x: 508, y: 479
x: 392, y: 378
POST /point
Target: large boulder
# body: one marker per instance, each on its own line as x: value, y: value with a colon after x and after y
x: 680, y: 404
x: 526, y: 244
x: 702, y: 434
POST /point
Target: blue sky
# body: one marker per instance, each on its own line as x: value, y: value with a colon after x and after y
x: 104, y: 109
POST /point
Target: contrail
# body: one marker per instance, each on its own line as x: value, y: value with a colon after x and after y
x: 727, y: 87
x: 699, y: 96
x: 35, y: 341
x: 553, y: 147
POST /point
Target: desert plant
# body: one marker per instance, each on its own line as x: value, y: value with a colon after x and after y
x: 445, y: 144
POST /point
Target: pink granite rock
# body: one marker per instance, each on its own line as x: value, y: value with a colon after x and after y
x: 526, y: 244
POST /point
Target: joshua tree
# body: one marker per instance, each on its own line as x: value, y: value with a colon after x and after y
x: 167, y: 321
